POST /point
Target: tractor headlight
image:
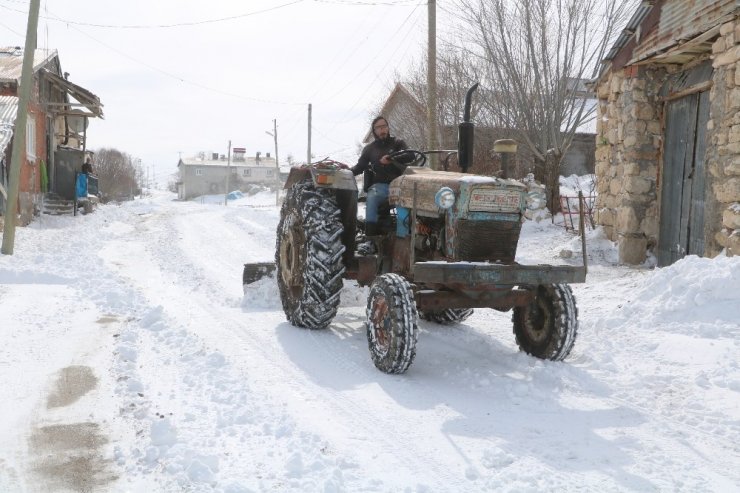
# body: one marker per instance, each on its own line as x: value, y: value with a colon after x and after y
x: 445, y: 198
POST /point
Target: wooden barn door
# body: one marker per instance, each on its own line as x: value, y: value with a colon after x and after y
x: 682, y: 195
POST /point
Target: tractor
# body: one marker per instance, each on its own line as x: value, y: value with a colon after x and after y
x: 448, y: 246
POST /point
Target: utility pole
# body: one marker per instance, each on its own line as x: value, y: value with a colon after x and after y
x: 277, y: 162
x: 228, y: 175
x: 19, y: 138
x: 432, y: 143
x: 308, y: 159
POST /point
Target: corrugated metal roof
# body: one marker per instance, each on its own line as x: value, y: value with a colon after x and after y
x: 11, y: 62
x: 682, y: 20
x: 8, y: 112
x: 629, y: 30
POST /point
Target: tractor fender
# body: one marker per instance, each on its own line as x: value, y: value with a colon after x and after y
x: 338, y: 179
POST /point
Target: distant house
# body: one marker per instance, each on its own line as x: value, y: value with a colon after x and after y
x: 408, y: 117
x: 56, y: 130
x: 668, y: 159
x: 206, y: 174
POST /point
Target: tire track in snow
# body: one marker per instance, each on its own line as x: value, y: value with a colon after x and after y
x: 265, y: 349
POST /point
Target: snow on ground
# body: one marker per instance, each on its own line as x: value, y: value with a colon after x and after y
x: 133, y: 361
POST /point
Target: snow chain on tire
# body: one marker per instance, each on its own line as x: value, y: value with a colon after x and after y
x: 547, y: 327
x: 447, y: 316
x: 309, y: 256
x: 392, y: 327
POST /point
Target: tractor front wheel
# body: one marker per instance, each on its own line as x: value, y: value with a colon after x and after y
x: 546, y: 328
x: 392, y: 327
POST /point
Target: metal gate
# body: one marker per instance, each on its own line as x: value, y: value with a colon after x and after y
x: 682, y: 197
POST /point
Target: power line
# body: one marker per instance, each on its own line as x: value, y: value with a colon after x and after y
x: 377, y: 54
x: 12, y: 30
x: 181, y: 79
x: 291, y: 131
x: 377, y: 75
x: 322, y: 85
x: 164, y: 26
x: 402, y: 3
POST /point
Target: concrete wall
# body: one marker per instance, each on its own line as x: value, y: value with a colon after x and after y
x: 213, y: 178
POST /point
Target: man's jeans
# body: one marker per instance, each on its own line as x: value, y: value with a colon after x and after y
x: 376, y: 194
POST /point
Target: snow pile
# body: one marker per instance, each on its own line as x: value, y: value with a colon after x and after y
x: 673, y: 350
x: 694, y: 290
x: 261, y: 294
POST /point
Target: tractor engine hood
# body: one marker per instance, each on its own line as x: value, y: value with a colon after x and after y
x: 472, y: 192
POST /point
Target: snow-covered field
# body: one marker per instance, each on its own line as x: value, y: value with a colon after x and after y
x: 132, y: 361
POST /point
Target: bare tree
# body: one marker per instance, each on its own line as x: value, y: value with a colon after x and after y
x: 117, y: 173
x: 537, y: 54
x: 409, y: 118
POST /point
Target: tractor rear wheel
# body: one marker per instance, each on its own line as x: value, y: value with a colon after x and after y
x: 392, y: 327
x: 546, y: 328
x: 448, y: 316
x: 309, y: 256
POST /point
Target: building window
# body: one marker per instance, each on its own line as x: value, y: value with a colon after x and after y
x: 269, y: 172
x: 31, y: 138
x: 233, y: 171
x: 247, y: 172
x: 198, y: 172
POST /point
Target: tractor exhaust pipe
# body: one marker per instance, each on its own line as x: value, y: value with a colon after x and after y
x: 465, y: 134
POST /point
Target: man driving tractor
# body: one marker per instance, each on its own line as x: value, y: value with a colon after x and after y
x: 379, y: 170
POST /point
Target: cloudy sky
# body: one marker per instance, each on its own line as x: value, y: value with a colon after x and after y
x: 181, y: 77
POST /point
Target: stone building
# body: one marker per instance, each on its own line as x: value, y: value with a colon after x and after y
x: 668, y: 132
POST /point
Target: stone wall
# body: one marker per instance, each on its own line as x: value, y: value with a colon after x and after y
x: 629, y: 153
x: 723, y: 162
x: 628, y: 145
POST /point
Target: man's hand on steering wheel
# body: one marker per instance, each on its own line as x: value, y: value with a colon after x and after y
x: 412, y: 156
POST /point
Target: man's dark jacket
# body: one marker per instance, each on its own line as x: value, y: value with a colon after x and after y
x: 369, y: 162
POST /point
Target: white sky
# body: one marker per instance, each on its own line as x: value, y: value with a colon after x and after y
x: 193, y: 88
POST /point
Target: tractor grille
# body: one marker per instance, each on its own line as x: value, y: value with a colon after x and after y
x: 478, y: 241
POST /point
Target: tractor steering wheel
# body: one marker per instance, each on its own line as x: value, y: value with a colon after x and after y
x: 417, y: 158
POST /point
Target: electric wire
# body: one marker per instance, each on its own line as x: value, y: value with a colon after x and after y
x: 377, y: 76
x: 162, y: 26
x: 12, y: 30
x: 414, y: 3
x: 216, y: 20
x: 377, y: 54
x: 179, y: 78
x: 322, y: 85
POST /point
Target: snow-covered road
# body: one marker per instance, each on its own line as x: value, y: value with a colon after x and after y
x: 183, y: 383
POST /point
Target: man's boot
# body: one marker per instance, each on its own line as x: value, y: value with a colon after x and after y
x: 372, y: 233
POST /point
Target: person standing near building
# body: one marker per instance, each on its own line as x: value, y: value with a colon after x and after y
x: 379, y: 170
x: 87, y: 166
